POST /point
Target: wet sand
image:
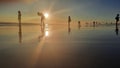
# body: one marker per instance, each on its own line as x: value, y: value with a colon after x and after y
x: 60, y: 47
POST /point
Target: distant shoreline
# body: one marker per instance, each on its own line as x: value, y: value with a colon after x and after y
x: 16, y: 24
x: 26, y: 24
x: 34, y: 24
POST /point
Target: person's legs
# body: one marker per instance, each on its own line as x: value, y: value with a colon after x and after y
x: 117, y: 29
x: 116, y: 24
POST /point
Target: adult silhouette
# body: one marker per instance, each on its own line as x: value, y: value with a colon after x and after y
x: 42, y: 22
x: 93, y: 23
x: 79, y: 24
x: 19, y: 15
x: 19, y: 20
x: 42, y: 18
x: 117, y: 20
x: 20, y: 30
x: 69, y: 20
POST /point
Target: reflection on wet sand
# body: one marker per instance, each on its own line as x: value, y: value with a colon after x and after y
x: 20, y: 37
x: 39, y: 49
x: 44, y: 31
x: 69, y: 30
x: 62, y: 49
x: 117, y: 30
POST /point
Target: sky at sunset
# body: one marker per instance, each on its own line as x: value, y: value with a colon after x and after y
x: 59, y: 10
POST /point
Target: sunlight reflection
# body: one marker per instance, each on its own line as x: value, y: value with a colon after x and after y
x: 39, y: 48
x: 46, y: 25
x: 46, y: 30
x: 46, y: 33
x: 37, y: 52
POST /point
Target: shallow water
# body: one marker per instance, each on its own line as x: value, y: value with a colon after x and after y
x: 59, y: 47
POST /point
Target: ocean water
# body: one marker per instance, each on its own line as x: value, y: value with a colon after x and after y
x: 59, y: 47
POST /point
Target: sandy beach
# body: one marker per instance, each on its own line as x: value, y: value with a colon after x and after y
x: 59, y: 47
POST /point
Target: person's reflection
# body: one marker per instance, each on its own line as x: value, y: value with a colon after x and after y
x: 20, y: 37
x: 117, y: 30
x: 69, y: 30
x: 43, y: 30
x: 42, y: 33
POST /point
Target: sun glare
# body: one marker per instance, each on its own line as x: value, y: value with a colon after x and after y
x: 46, y: 15
x: 46, y: 33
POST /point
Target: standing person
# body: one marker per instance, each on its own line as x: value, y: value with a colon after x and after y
x: 117, y: 20
x: 79, y: 24
x: 20, y: 31
x: 19, y: 16
x: 69, y: 20
x: 93, y: 23
x: 42, y: 18
x: 19, y: 20
x: 42, y: 22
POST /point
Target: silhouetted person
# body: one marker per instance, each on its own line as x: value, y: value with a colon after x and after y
x: 117, y: 20
x: 69, y: 20
x: 42, y: 19
x: 42, y: 22
x: 79, y: 24
x: 20, y: 30
x: 19, y: 20
x: 93, y: 23
x: 19, y: 16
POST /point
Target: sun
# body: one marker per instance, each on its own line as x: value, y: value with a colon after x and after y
x: 46, y: 15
